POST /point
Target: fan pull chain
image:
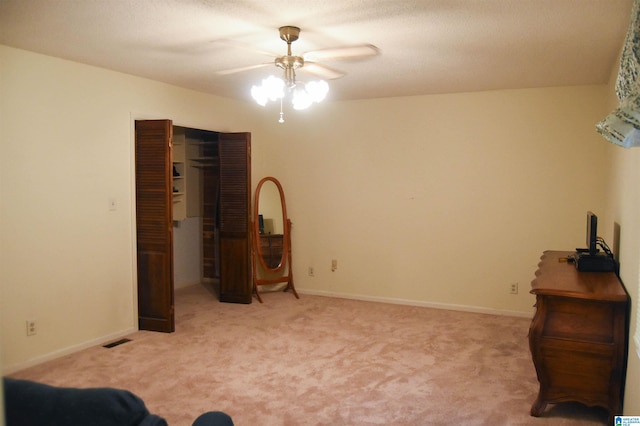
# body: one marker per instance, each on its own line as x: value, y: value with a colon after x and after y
x: 281, y: 120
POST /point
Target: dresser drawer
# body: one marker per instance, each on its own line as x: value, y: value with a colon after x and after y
x: 573, y: 370
x: 588, y: 321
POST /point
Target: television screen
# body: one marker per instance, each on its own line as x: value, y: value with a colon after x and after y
x: 592, y: 232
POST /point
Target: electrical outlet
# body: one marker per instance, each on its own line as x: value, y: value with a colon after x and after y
x: 32, y: 328
x: 334, y: 265
x: 310, y: 271
x: 513, y: 288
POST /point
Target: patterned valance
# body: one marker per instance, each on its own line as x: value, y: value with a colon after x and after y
x: 622, y: 126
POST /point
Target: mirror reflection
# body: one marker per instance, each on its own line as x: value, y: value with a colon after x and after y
x: 270, y: 226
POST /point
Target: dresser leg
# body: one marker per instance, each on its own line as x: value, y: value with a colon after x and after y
x: 538, y: 407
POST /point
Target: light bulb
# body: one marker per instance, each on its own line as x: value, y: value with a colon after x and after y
x: 272, y: 88
x: 301, y: 99
x: 258, y: 94
x: 317, y: 90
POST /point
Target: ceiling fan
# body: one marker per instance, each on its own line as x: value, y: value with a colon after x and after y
x: 309, y: 60
x: 302, y: 94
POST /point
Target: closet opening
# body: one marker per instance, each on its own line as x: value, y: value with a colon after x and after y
x: 192, y: 217
x: 195, y: 205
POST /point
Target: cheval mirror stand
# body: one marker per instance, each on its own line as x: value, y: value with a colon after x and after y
x: 271, y: 238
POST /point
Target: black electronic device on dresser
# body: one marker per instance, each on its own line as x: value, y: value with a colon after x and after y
x: 591, y: 259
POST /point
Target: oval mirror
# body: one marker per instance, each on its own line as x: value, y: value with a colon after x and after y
x: 270, y: 219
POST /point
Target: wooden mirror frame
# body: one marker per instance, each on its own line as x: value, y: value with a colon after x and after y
x: 285, y: 267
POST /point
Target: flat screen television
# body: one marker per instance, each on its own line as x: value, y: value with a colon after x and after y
x: 592, y: 259
x: 592, y: 233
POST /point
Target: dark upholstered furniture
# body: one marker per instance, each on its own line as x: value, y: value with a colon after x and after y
x: 29, y: 403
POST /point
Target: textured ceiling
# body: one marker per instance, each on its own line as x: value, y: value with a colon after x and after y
x: 426, y: 46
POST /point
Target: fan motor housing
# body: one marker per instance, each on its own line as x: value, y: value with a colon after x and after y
x: 288, y: 62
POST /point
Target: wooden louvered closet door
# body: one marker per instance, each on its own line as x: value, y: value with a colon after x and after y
x: 235, y: 205
x: 154, y: 225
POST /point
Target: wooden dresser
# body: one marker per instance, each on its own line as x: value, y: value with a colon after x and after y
x: 578, y: 336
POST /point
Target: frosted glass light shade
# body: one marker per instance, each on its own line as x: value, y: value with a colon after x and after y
x: 317, y: 90
x: 272, y: 88
x: 314, y: 91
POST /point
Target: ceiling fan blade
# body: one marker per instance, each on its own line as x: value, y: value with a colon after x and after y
x: 241, y: 69
x: 244, y: 46
x: 347, y: 52
x: 321, y: 71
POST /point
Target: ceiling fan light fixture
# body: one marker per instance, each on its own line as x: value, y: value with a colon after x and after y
x: 302, y: 94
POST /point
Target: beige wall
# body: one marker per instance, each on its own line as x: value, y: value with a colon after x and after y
x: 66, y: 259
x: 625, y: 211
x: 433, y: 200
x: 623, y: 207
x: 440, y: 200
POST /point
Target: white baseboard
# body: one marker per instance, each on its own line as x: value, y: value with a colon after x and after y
x: 66, y: 351
x: 450, y: 307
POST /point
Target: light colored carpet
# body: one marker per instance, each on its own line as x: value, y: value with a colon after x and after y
x: 323, y: 361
